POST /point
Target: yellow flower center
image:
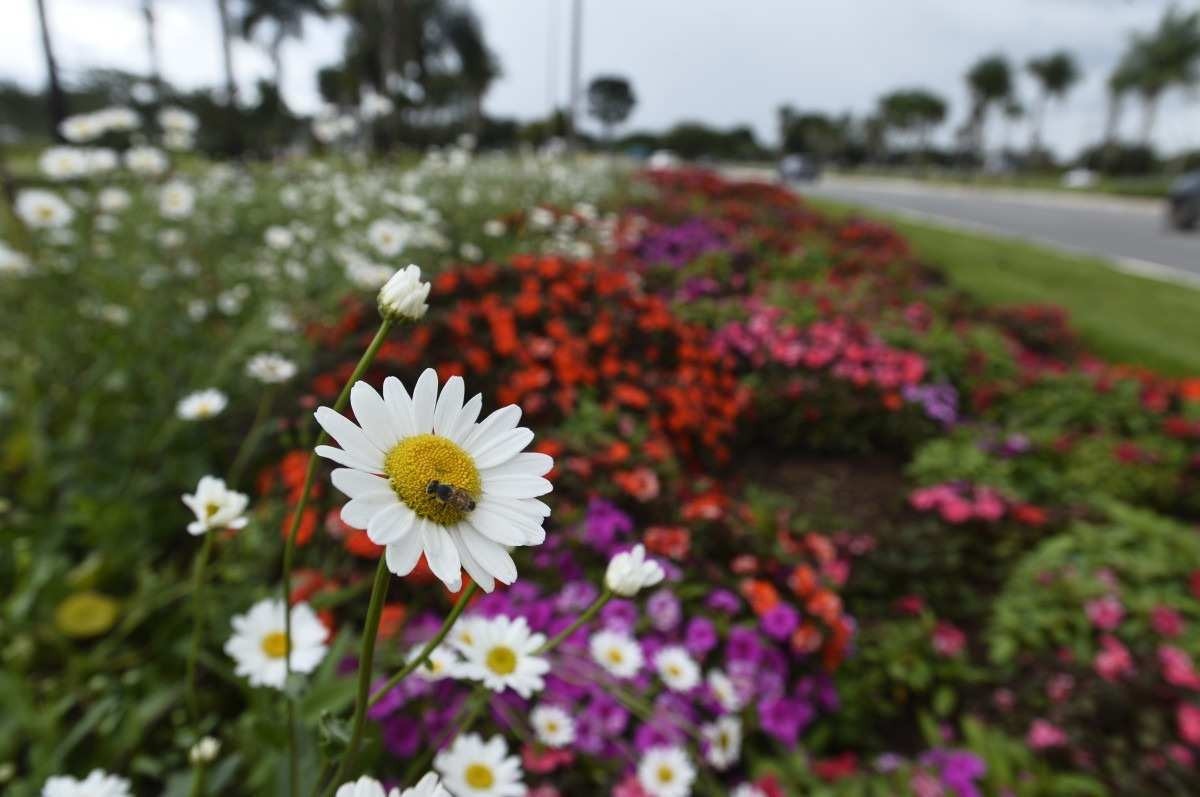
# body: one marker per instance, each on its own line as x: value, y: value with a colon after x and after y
x: 479, y: 776
x: 551, y: 727
x: 416, y: 461
x: 665, y: 774
x: 275, y: 644
x: 45, y: 213
x: 211, y: 508
x: 674, y: 670
x: 615, y: 656
x: 502, y: 660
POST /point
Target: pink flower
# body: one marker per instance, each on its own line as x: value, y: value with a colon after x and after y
x: 1187, y: 720
x: 1166, y: 621
x: 1105, y: 613
x: 1181, y: 755
x: 1060, y: 687
x: 1044, y: 735
x: 988, y: 504
x: 923, y: 784
x: 1177, y: 668
x: 955, y: 510
x: 629, y: 788
x: 1004, y: 700
x: 1113, y: 661
x: 927, y: 498
x: 948, y: 640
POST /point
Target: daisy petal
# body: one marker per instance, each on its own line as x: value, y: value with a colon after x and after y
x: 441, y: 554
x: 402, y: 555
x: 476, y: 571
x: 346, y: 458
x: 516, y: 486
x: 389, y: 525
x: 424, y: 400
x: 465, y: 420
x: 502, y: 448
x: 498, y: 527
x: 349, y: 436
x: 527, y: 463
x: 372, y: 414
x: 449, y: 405
x: 494, y: 558
x: 399, y: 407
x: 354, y: 482
x: 358, y: 511
x: 502, y: 420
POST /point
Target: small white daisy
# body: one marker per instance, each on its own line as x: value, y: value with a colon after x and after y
x: 630, y: 572
x: 724, y: 742
x: 259, y: 643
x: 617, y: 653
x: 474, y: 768
x: 204, y: 752
x: 748, y: 790
x: 146, y: 161
x: 98, y: 783
x: 113, y: 200
x: 216, y: 506
x: 403, y: 296
x: 279, y: 237
x: 428, y: 786
x: 364, y: 787
x: 442, y: 663
x: 666, y: 772
x: 503, y: 656
x: 553, y: 725
x: 270, y: 368
x: 387, y: 236
x: 43, y: 210
x: 677, y: 669
x: 176, y: 200
x: 201, y: 405
x: 12, y: 262
x: 725, y: 691
x: 424, y: 478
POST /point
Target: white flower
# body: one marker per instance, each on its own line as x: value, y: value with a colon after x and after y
x: 485, y: 496
x: 442, y: 663
x: 494, y: 228
x: 113, y: 200
x: 428, y: 786
x: 464, y: 636
x: 63, y: 163
x: 368, y: 276
x: 724, y: 738
x: 146, y: 161
x: 13, y: 262
x: 204, y: 751
x: 364, y: 787
x: 176, y: 200
x: 98, y: 783
x: 677, y: 669
x: 259, y: 644
x: 748, y: 790
x: 503, y: 655
x: 177, y: 120
x: 541, y: 218
x: 404, y: 295
x: 100, y: 160
x: 43, y: 210
x: 630, y: 572
x: 81, y: 128
x: 666, y: 772
x: 725, y: 691
x: 215, y: 506
x: 201, y: 405
x: 554, y: 726
x: 374, y: 106
x: 471, y: 252
x: 270, y: 368
x: 387, y: 236
x: 474, y: 768
x: 279, y: 237
x: 617, y: 653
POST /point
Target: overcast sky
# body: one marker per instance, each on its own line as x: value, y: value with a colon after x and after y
x: 724, y: 62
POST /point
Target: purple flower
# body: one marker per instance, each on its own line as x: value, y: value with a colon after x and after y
x: 743, y: 645
x: 780, y: 621
x: 664, y: 610
x: 700, y: 636
x: 723, y: 601
x: 619, y: 615
x: 575, y: 597
x: 604, y: 523
x: 784, y: 719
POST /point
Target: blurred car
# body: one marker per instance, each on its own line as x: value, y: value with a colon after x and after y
x: 798, y: 169
x: 1183, y: 202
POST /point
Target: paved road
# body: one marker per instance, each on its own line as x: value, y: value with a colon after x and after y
x: 1129, y: 232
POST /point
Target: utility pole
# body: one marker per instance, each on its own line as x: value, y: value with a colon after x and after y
x: 576, y: 57
x: 552, y: 48
x: 152, y: 49
x: 57, y: 99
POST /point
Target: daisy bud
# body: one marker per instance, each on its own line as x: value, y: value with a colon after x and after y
x: 630, y: 572
x: 204, y: 751
x: 403, y: 297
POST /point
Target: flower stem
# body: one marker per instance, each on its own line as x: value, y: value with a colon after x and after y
x: 583, y: 618
x: 250, y: 440
x: 426, y: 651
x: 197, y: 781
x: 289, y: 546
x: 365, y: 662
x: 197, y: 620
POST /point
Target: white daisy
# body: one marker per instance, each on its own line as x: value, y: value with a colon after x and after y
x: 403, y: 296
x: 748, y: 790
x: 259, y: 642
x: 43, y: 210
x: 502, y: 655
x: 63, y: 163
x: 146, y: 161
x: 554, y: 726
x: 666, y: 772
x: 442, y: 663
x: 270, y: 368
x: 176, y: 200
x: 474, y: 768
x: 494, y: 228
x: 12, y: 262
x: 630, y: 572
x: 201, y: 405
x: 387, y: 236
x: 216, y: 506
x: 428, y: 786
x: 364, y: 787
x: 724, y: 690
x: 204, y: 751
x: 724, y: 742
x: 113, y: 200
x: 177, y: 120
x: 617, y: 653
x: 279, y: 237
x: 98, y: 783
x: 424, y: 478
x: 677, y: 669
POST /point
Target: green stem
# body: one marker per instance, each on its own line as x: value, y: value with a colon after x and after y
x: 197, y: 620
x: 289, y: 546
x: 250, y: 441
x: 583, y: 618
x: 365, y: 660
x: 426, y: 651
x: 197, y: 781
x: 479, y: 700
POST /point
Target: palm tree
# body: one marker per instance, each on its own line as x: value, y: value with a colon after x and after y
x: 1057, y: 73
x: 478, y: 68
x: 915, y: 110
x: 227, y: 51
x: 58, y: 99
x: 287, y: 22
x: 1123, y: 79
x: 990, y: 83
x: 1170, y: 57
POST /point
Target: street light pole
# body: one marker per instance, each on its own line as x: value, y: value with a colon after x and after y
x: 576, y: 57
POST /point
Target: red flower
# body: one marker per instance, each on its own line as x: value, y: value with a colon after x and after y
x: 836, y: 768
x: 669, y: 541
